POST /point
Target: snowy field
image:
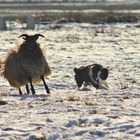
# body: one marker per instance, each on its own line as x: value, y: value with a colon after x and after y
x: 68, y: 113
x: 68, y: 1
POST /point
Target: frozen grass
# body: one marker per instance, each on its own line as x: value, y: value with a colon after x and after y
x: 68, y: 113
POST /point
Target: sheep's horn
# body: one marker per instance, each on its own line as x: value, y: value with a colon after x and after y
x: 37, y: 35
x: 23, y: 35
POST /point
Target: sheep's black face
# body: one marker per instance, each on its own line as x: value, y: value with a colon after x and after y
x: 30, y: 41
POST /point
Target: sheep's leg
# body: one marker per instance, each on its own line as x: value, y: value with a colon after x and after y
x: 46, y: 87
x: 32, y: 87
x: 27, y: 89
x: 20, y: 92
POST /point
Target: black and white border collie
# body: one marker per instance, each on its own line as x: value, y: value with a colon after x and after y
x: 94, y: 75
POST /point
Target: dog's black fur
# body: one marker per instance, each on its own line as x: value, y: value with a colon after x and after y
x: 90, y: 75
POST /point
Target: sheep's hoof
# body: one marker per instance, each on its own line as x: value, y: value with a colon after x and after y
x: 48, y: 92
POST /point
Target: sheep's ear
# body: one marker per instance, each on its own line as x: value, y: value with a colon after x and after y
x: 104, y: 73
x: 36, y: 36
x: 24, y: 36
x: 76, y: 70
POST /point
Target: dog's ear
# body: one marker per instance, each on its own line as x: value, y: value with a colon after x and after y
x: 76, y: 70
x: 104, y: 73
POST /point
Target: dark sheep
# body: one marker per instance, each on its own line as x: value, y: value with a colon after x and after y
x: 26, y: 64
x: 94, y: 75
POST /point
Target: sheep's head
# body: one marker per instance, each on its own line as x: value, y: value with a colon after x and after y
x: 30, y: 40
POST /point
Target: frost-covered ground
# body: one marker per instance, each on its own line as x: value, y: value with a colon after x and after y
x: 68, y: 0
x: 70, y: 114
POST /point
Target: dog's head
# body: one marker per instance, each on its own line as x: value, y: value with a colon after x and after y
x: 99, y: 75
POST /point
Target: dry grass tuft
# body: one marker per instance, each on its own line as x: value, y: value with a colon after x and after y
x: 88, y: 102
x: 126, y: 97
x: 3, y: 102
x: 122, y: 82
x: 93, y: 111
x: 73, y: 98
